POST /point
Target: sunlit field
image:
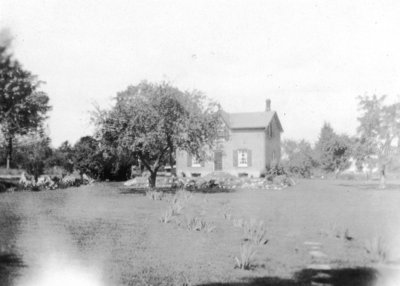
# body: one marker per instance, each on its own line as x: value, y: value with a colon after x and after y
x: 346, y: 232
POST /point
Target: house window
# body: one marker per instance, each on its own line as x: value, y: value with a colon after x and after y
x: 269, y: 131
x: 223, y: 133
x: 196, y: 162
x: 242, y: 158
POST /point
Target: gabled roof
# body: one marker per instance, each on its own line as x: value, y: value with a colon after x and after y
x: 250, y: 120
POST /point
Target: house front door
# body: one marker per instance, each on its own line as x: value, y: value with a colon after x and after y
x: 218, y: 161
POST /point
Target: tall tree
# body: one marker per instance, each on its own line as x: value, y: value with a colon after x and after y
x: 379, y: 131
x: 333, y: 151
x: 88, y: 158
x: 299, y: 157
x: 153, y: 120
x: 32, y: 152
x: 23, y: 107
x: 62, y: 157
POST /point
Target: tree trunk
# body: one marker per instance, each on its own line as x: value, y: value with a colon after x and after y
x: 382, y: 184
x: 9, y: 152
x: 171, y: 162
x: 152, y: 179
x: 140, y: 167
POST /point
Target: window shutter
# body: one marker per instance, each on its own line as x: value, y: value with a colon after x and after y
x: 189, y: 160
x: 235, y: 158
x: 249, y: 159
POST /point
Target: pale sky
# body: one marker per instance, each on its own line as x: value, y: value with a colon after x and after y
x: 311, y: 58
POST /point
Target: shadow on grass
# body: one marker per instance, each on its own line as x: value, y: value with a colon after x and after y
x: 142, y: 191
x: 372, y: 186
x: 211, y: 190
x: 360, y: 276
x: 10, y: 265
x: 7, y: 184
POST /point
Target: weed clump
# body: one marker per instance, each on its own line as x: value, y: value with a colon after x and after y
x: 247, y: 253
x: 174, y: 209
x: 377, y: 248
x: 255, y: 235
x: 198, y: 224
x: 154, y: 195
x: 167, y: 216
x: 255, y: 232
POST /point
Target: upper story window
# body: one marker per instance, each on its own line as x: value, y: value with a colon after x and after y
x: 223, y: 133
x: 269, y: 130
x: 242, y: 158
x: 196, y: 162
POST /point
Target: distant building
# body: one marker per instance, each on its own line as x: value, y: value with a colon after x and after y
x: 248, y: 142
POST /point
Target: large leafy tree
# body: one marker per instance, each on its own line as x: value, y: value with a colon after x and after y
x: 333, y: 150
x: 299, y: 157
x: 32, y: 152
x: 379, y: 131
x: 154, y: 120
x: 91, y: 157
x: 62, y: 157
x: 23, y: 107
x: 88, y: 158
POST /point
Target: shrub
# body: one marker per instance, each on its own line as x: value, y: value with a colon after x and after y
x: 198, y: 224
x: 377, y: 249
x: 3, y: 187
x: 247, y: 253
x: 255, y: 232
x: 154, y: 195
x: 174, y: 209
x: 191, y: 185
x: 45, y: 182
x: 283, y: 180
x: 177, y: 183
x: 56, y: 171
x: 299, y: 158
x: 272, y: 171
x: 71, y: 180
x: 88, y: 157
x: 167, y: 216
x: 32, y: 157
x: 62, y: 159
x: 228, y: 214
x: 209, y: 184
x: 176, y: 205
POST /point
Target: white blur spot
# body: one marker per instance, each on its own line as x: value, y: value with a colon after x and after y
x: 389, y: 275
x: 62, y: 273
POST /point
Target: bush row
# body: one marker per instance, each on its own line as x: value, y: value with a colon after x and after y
x: 45, y: 182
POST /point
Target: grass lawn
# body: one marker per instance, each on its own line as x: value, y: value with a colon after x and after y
x: 105, y: 234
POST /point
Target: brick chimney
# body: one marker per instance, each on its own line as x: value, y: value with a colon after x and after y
x: 268, y: 105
